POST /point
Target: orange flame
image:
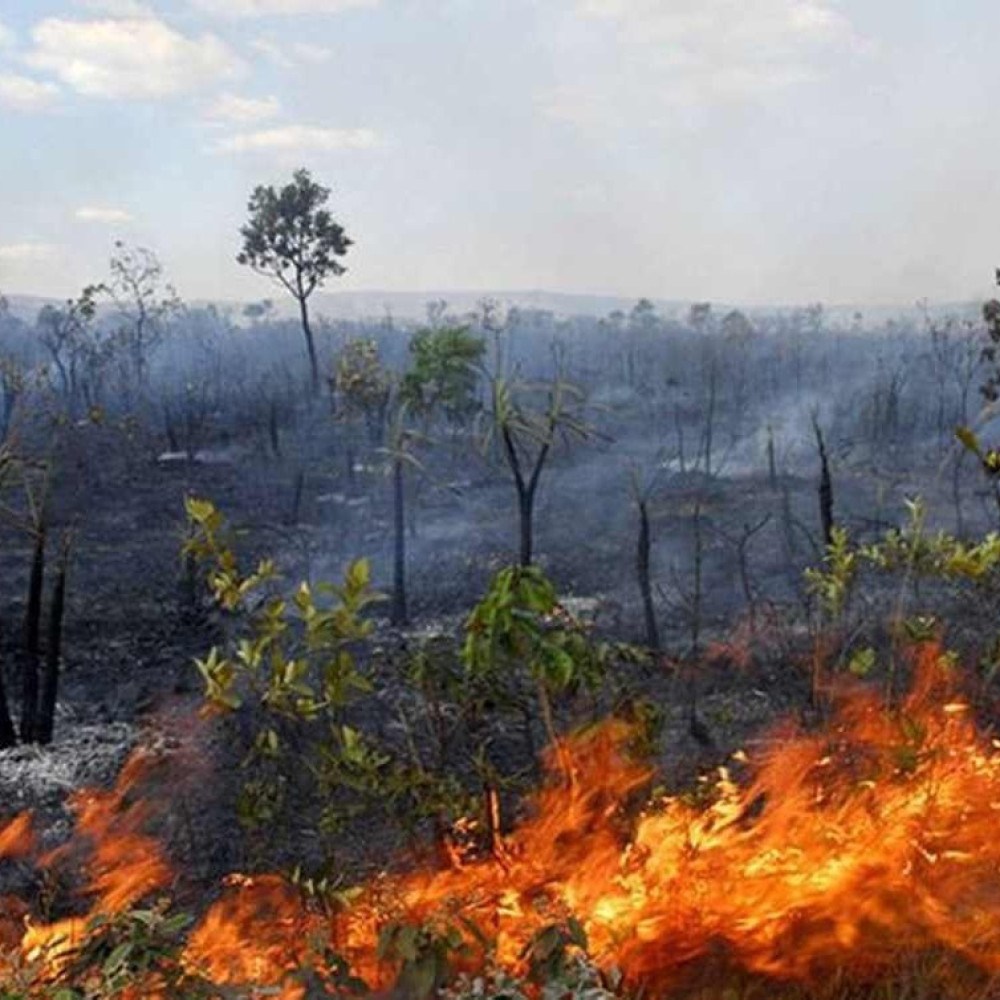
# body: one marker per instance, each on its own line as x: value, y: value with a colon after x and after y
x: 850, y: 849
x: 124, y: 864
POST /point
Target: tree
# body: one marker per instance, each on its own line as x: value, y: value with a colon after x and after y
x: 701, y: 317
x: 292, y: 239
x: 736, y: 326
x: 67, y: 334
x: 444, y: 375
x: 362, y: 387
x: 400, y: 453
x: 642, y: 491
x: 528, y: 427
x: 258, y: 312
x: 145, y: 304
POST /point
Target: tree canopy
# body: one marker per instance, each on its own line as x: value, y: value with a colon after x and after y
x: 293, y: 239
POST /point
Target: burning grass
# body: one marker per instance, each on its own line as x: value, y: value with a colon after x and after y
x: 860, y: 860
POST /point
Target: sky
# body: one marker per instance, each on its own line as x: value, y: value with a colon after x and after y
x: 739, y: 151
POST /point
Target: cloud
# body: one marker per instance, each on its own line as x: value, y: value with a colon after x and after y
x: 98, y: 213
x: 130, y: 57
x: 7, y: 37
x: 289, y: 56
x: 297, y: 139
x: 27, y: 253
x: 265, y: 8
x: 235, y: 110
x: 21, y: 93
x: 661, y: 59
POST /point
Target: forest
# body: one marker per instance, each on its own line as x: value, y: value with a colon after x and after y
x: 499, y: 653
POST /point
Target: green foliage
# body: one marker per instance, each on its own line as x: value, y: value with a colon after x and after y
x: 520, y: 623
x: 832, y: 584
x: 934, y: 556
x: 910, y: 549
x: 425, y: 955
x: 444, y: 374
x: 989, y: 458
x: 130, y: 954
x: 361, y: 384
x: 534, y: 415
x: 862, y: 662
x: 295, y: 660
x: 549, y: 951
x: 291, y: 237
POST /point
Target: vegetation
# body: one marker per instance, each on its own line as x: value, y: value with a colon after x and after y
x: 291, y: 238
x: 661, y: 622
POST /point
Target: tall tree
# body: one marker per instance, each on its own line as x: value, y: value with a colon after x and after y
x: 444, y: 375
x: 146, y: 305
x: 291, y: 238
x: 67, y: 334
x: 529, y: 419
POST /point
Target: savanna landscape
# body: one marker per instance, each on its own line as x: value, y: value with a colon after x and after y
x: 485, y: 644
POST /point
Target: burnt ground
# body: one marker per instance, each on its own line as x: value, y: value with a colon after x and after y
x: 132, y: 634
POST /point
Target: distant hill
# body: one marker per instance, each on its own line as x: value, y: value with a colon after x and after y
x: 412, y: 306
x: 26, y: 307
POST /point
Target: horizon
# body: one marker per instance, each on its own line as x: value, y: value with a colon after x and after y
x: 407, y: 304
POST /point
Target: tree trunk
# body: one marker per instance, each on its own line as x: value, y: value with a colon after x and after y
x: 53, y: 652
x: 645, y: 585
x: 525, y: 508
x: 273, y: 429
x: 772, y: 465
x: 825, y: 487
x: 696, y: 597
x: 32, y: 631
x: 399, y: 616
x: 8, y: 734
x: 310, y: 344
x: 710, y: 420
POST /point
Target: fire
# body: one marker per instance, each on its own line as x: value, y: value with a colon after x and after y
x: 257, y: 933
x: 122, y: 865
x: 841, y: 852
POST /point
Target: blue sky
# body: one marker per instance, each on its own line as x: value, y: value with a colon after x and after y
x: 734, y: 150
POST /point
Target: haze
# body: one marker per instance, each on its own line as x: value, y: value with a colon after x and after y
x: 748, y: 151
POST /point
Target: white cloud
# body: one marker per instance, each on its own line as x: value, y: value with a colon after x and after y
x: 264, y: 8
x: 693, y: 54
x: 27, y: 253
x: 21, y: 93
x: 7, y: 37
x: 131, y: 57
x: 297, y: 139
x: 289, y: 56
x: 235, y: 110
x: 101, y: 213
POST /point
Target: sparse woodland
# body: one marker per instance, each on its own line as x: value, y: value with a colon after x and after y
x: 494, y: 654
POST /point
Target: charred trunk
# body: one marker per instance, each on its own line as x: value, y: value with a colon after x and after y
x: 53, y: 651
x: 310, y: 345
x: 645, y: 584
x: 32, y: 636
x: 399, y: 614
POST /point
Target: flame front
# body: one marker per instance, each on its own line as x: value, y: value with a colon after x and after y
x: 847, y: 852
